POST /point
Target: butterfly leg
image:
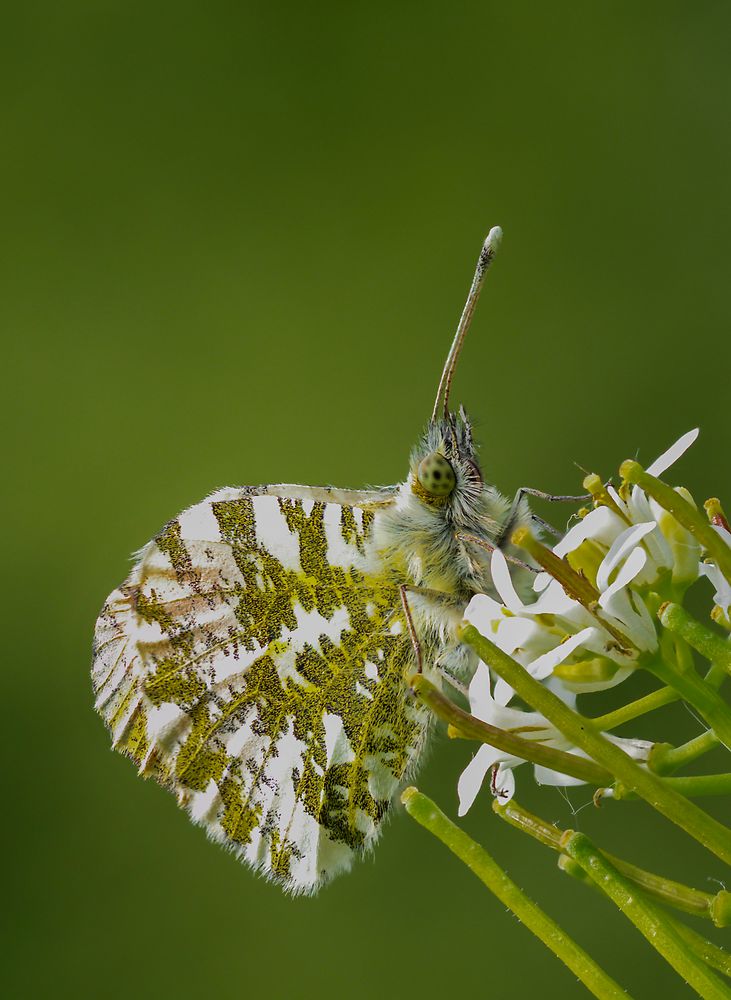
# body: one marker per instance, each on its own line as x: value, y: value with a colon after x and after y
x: 546, y: 526
x: 515, y: 511
x: 436, y: 595
x: 490, y: 547
x: 410, y: 626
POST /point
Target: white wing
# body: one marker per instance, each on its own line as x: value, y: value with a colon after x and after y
x: 254, y: 662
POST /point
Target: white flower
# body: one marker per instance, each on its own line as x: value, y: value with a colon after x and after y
x: 529, y: 725
x: 722, y: 596
x: 622, y: 552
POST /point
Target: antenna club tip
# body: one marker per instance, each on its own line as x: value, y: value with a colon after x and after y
x: 490, y: 246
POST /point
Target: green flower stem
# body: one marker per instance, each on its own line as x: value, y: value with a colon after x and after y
x: 681, y: 897
x: 692, y: 787
x: 633, y: 710
x: 683, y: 512
x: 468, y: 727
x: 665, y: 758
x: 425, y: 812
x: 713, y: 647
x: 709, y: 953
x: 694, y: 689
x: 651, y: 922
x: 581, y: 733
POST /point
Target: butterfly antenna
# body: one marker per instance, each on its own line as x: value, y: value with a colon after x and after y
x: 489, y: 248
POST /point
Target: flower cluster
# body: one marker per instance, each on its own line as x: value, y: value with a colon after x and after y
x: 632, y: 555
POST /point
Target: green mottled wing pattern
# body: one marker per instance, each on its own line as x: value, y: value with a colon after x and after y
x: 254, y: 663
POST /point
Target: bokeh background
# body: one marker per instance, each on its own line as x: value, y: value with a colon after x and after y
x: 236, y: 240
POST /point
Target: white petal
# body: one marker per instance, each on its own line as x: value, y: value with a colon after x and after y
x: 553, y: 601
x: 602, y: 525
x: 601, y: 643
x: 503, y: 583
x: 482, y: 612
x: 579, y: 533
x: 482, y: 705
x: 556, y: 685
x: 615, y: 600
x: 638, y: 749
x: 533, y: 723
x: 545, y: 776
x: 621, y: 545
x: 722, y: 597
x: 617, y: 498
x: 626, y: 575
x: 656, y: 544
x: 504, y: 783
x: 635, y: 621
x: 545, y: 664
x: 473, y: 776
x: 671, y: 456
x: 503, y: 692
x: 589, y: 688
x: 514, y: 633
x: 541, y: 581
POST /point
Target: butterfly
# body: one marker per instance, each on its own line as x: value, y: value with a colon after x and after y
x: 256, y: 660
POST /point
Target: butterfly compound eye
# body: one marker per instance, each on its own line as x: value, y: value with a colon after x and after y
x: 436, y: 475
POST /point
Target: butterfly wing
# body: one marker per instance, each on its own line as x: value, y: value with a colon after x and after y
x: 254, y: 663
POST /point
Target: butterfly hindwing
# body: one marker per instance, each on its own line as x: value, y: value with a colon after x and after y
x: 254, y: 662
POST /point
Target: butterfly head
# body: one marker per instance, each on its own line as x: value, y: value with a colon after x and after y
x: 444, y: 473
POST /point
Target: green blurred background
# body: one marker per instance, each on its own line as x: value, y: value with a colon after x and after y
x: 236, y: 240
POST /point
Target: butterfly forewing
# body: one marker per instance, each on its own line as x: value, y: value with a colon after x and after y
x: 254, y: 662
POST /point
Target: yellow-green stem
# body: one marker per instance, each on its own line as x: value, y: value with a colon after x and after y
x: 665, y: 759
x: 425, y: 812
x: 693, y: 786
x: 634, y: 709
x: 716, y: 908
x: 652, y: 923
x: 703, y: 949
x: 704, y: 640
x: 693, y: 688
x: 717, y: 958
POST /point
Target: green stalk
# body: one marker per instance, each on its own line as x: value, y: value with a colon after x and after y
x: 468, y: 727
x: 581, y: 733
x: 650, y: 702
x: 681, y: 897
x: 692, y: 688
x: 651, y: 922
x: 425, y: 812
x: 665, y: 759
x: 683, y: 512
x: 717, y: 958
x: 709, y: 953
x: 692, y: 787
x: 710, y: 645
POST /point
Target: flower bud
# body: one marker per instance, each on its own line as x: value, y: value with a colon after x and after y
x: 685, y: 549
x: 597, y: 670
